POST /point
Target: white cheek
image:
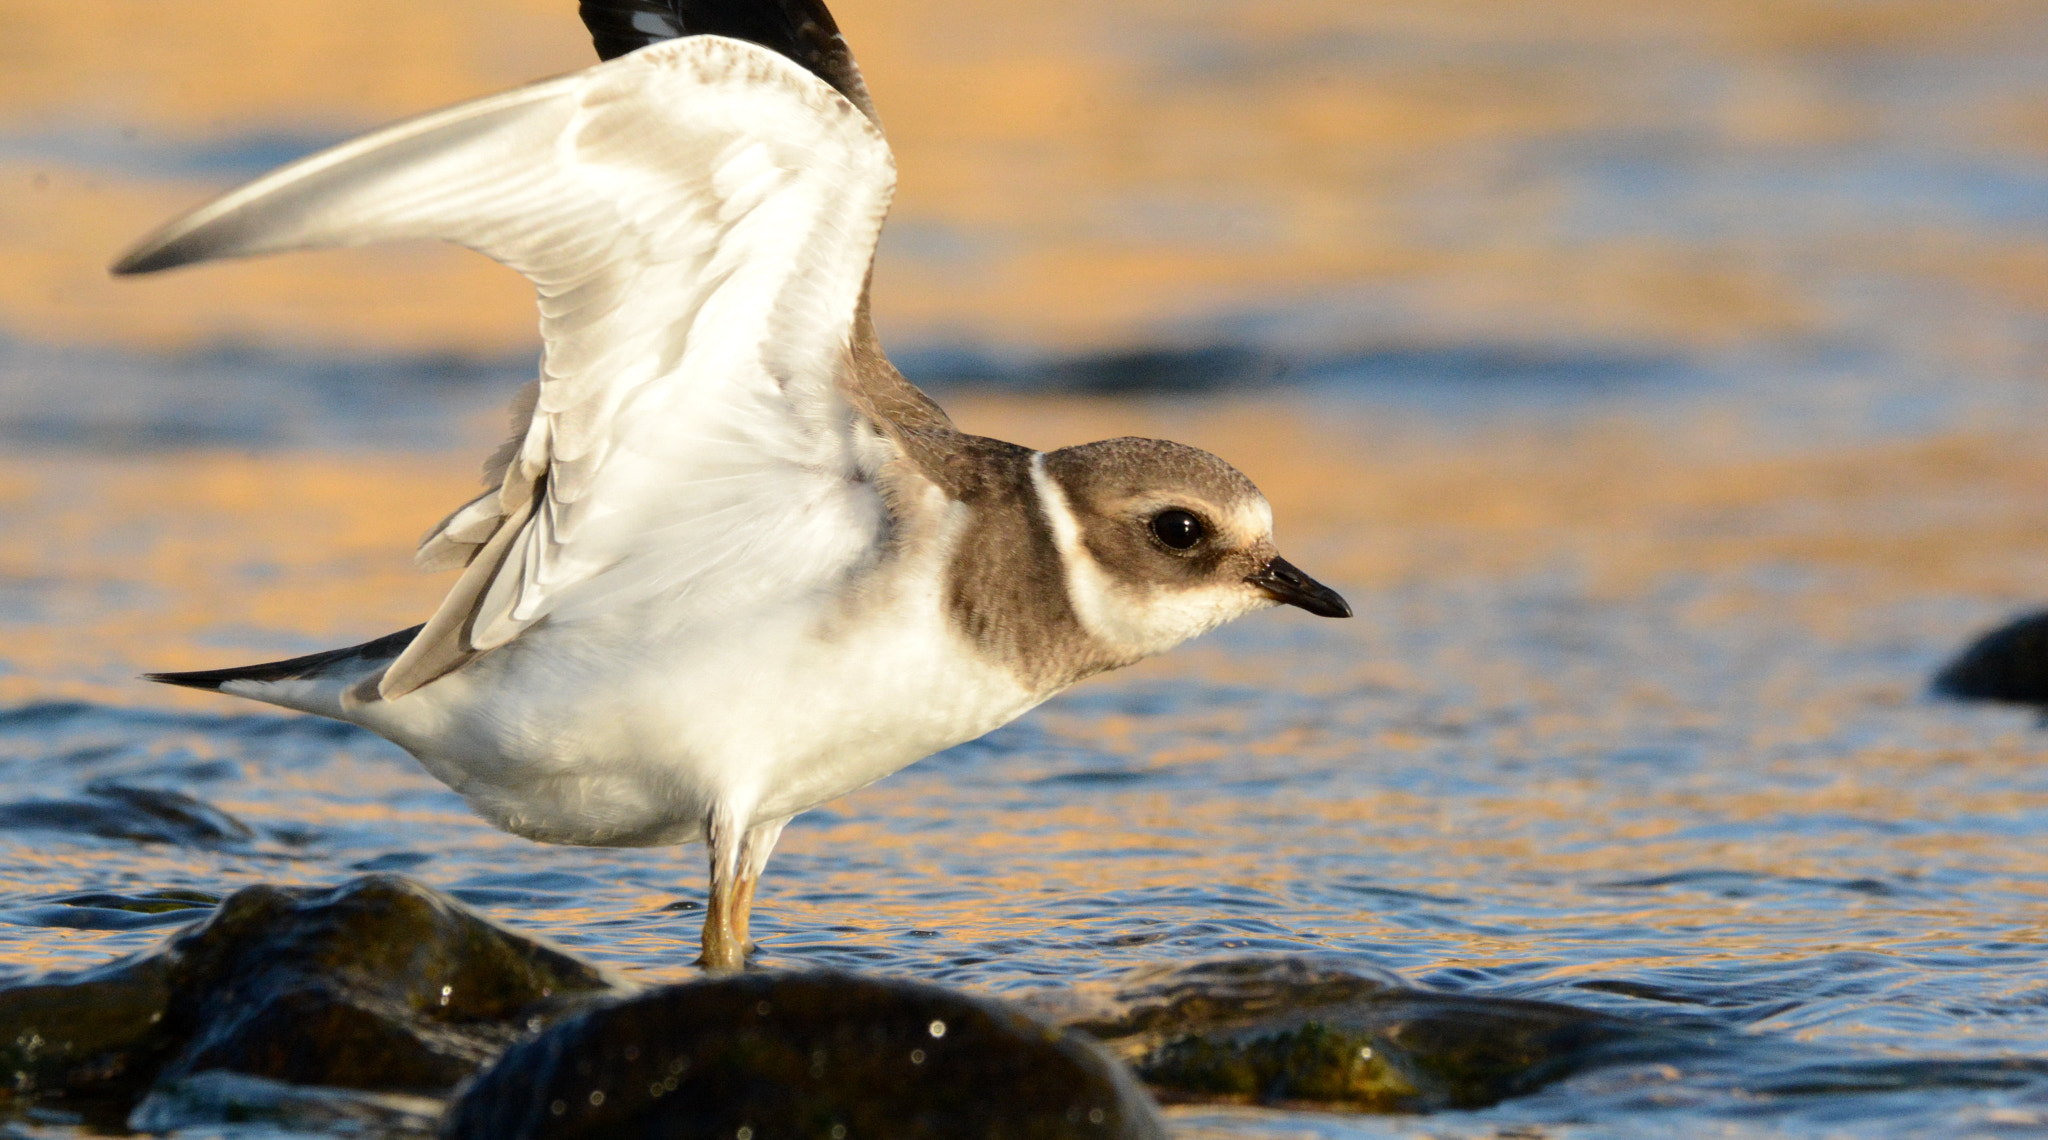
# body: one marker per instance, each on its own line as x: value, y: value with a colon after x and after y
x: 1134, y: 621
x: 1140, y: 622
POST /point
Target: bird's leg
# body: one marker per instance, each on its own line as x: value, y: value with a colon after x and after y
x: 724, y: 951
x: 754, y: 852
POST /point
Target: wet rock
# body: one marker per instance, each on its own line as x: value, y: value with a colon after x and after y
x: 1325, y: 1033
x: 356, y: 1008
x: 2008, y: 664
x: 379, y: 984
x: 142, y: 815
x: 94, y: 1039
x: 823, y: 1055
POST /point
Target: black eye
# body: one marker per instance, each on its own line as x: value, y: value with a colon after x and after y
x: 1177, y: 529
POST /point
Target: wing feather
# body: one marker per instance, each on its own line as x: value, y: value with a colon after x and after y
x: 697, y: 219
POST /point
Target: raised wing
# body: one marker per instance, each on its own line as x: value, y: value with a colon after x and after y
x: 698, y: 218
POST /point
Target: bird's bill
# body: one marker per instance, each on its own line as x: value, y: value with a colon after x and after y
x: 1283, y: 583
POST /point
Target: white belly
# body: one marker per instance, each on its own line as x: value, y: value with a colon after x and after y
x: 621, y: 734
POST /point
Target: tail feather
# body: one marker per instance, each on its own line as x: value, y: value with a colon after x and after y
x: 257, y: 681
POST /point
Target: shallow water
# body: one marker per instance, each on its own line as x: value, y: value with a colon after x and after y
x: 1664, y: 392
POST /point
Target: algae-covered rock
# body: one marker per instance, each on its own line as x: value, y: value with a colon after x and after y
x: 825, y: 1055
x: 379, y: 984
x: 2009, y: 664
x: 359, y: 1005
x: 1160, y: 1000
x: 1322, y: 1032
x: 1310, y: 1063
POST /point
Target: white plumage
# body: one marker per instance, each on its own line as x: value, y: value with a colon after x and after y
x: 732, y: 566
x: 697, y: 218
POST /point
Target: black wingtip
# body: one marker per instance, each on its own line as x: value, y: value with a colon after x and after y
x: 151, y: 257
x: 385, y: 649
x: 210, y: 680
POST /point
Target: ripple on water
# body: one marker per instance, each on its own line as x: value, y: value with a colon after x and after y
x: 1720, y: 798
x: 1663, y: 463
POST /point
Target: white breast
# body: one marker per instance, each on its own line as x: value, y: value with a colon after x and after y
x: 624, y: 731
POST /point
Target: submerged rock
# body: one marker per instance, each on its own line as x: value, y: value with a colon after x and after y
x: 140, y: 815
x: 105, y: 910
x: 216, y: 1098
x: 360, y: 1007
x: 379, y: 984
x: 1325, y: 1033
x: 825, y: 1055
x: 2008, y: 664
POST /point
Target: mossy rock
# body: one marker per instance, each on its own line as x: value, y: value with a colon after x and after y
x: 1323, y: 1032
x: 1311, y: 1064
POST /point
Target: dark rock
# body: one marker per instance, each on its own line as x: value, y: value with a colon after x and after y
x: 2008, y: 664
x: 93, y: 1037
x: 1321, y: 1032
x: 379, y: 984
x: 803, y: 1055
x: 356, y: 1008
x: 142, y: 815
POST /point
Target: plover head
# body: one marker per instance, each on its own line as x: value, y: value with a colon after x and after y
x: 1162, y: 541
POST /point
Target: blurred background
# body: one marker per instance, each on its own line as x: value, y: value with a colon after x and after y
x: 1745, y: 225
x: 1663, y: 382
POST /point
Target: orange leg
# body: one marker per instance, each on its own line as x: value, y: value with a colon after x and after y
x: 754, y: 852
x: 724, y: 940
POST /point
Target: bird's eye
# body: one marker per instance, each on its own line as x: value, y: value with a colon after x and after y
x: 1177, y: 529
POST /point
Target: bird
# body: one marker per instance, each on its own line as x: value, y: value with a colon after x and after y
x: 730, y: 564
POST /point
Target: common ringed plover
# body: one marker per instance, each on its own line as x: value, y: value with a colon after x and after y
x: 731, y: 565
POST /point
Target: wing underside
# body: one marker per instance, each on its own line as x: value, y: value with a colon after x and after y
x: 697, y: 219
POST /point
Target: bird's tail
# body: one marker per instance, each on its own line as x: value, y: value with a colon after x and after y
x: 317, y: 683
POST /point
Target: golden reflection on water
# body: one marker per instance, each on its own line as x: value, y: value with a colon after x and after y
x: 1074, y: 174
x: 1540, y: 595
x: 140, y: 561
x: 184, y: 560
x: 317, y: 546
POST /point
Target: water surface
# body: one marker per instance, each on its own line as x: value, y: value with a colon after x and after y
x: 1662, y: 387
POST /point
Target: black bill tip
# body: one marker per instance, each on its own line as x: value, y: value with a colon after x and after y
x: 1283, y: 582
